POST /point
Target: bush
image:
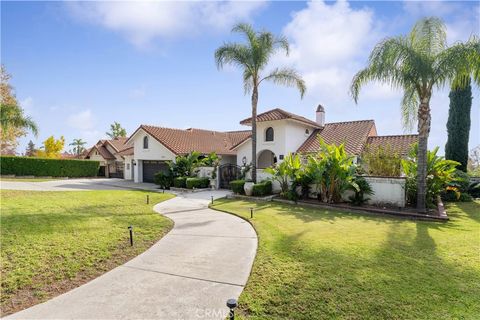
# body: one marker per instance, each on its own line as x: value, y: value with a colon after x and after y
x: 42, y: 167
x: 164, y: 180
x: 197, y: 183
x: 263, y: 188
x: 180, y: 182
x: 474, y: 189
x: 381, y: 161
x: 361, y: 189
x: 237, y: 186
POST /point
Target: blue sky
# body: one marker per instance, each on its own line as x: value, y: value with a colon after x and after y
x: 79, y: 66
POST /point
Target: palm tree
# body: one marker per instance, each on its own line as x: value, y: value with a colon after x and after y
x: 78, y: 146
x: 417, y: 63
x: 252, y: 57
x: 12, y: 117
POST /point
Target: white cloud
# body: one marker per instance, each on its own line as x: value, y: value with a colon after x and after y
x: 329, y: 44
x: 137, y: 93
x: 83, y: 120
x: 141, y: 22
x: 27, y: 105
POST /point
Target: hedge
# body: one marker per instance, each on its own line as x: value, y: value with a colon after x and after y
x: 197, y: 183
x: 180, y: 182
x: 263, y: 188
x: 237, y: 186
x: 43, y: 167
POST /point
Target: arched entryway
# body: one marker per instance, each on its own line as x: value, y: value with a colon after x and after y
x: 265, y: 159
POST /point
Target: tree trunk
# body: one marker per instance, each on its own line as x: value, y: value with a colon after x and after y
x: 254, y: 133
x: 424, y: 119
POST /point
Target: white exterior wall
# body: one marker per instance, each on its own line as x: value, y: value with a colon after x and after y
x: 387, y: 190
x: 99, y: 158
x: 128, y: 168
x: 288, y: 137
x: 155, y: 151
x: 295, y: 136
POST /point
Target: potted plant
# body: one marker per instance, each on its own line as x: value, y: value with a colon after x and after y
x: 248, y: 187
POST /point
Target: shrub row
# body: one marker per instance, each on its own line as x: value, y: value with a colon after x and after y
x: 42, y: 167
x: 180, y: 182
x: 196, y: 183
x: 237, y: 186
x: 263, y: 188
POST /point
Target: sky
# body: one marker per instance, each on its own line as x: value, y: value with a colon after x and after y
x: 79, y: 66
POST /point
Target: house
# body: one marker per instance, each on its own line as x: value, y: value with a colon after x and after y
x: 111, y: 154
x: 279, y: 132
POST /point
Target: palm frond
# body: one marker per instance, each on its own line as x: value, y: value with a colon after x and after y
x: 429, y: 36
x: 233, y: 53
x: 287, y: 77
x: 12, y: 116
x: 247, y: 30
x: 409, y: 107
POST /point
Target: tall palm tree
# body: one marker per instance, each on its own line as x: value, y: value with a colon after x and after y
x: 78, y: 145
x: 12, y: 117
x: 417, y: 63
x: 253, y: 57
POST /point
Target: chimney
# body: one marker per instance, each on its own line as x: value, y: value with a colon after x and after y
x: 320, y: 115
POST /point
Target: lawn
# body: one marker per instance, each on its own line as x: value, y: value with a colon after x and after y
x: 318, y: 264
x: 52, y: 242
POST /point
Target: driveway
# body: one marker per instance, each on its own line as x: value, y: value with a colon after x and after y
x: 77, y: 185
x: 189, y: 274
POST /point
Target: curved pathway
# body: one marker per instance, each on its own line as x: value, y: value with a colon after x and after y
x: 189, y: 274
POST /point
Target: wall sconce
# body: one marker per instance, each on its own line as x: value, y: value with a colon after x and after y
x: 244, y: 160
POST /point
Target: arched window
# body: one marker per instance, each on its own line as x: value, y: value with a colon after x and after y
x: 145, y: 142
x: 269, y: 134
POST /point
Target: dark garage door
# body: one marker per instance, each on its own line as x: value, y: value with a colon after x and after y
x: 151, y: 167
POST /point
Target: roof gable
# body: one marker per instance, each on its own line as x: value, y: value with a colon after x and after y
x: 279, y: 114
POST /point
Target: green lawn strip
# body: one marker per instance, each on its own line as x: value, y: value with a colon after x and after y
x: 53, y: 241
x: 320, y: 264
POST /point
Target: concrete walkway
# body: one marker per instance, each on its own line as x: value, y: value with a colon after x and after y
x: 189, y: 274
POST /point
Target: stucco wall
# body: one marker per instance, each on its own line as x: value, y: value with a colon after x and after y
x: 128, y: 168
x: 387, y: 190
x: 288, y: 137
x: 98, y: 158
x: 155, y: 151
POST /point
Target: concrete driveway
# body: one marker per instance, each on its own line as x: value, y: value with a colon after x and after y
x: 189, y: 274
x: 77, y: 185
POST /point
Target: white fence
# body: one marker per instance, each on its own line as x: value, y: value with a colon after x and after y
x: 387, y: 190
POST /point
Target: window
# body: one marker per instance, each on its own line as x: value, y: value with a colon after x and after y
x: 269, y: 134
x: 145, y: 142
x: 128, y: 166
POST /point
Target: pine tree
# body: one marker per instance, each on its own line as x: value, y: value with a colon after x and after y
x: 458, y: 126
x: 30, y: 152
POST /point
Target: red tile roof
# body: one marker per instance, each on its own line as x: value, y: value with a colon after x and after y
x: 279, y: 114
x: 399, y: 143
x: 353, y: 133
x: 205, y: 141
x: 126, y: 152
x: 104, y: 152
x: 117, y: 143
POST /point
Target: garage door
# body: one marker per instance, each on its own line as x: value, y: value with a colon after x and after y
x: 151, y: 167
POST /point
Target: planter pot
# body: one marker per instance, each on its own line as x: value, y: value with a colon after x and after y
x: 248, y: 188
x: 213, y: 183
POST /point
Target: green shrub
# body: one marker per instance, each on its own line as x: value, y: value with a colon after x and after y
x: 263, y: 188
x: 164, y: 180
x: 42, y: 167
x: 381, y: 161
x: 197, y: 183
x: 180, y: 182
x: 361, y: 189
x: 237, y: 186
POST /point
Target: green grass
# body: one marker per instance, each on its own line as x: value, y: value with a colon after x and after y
x: 318, y: 264
x: 54, y: 241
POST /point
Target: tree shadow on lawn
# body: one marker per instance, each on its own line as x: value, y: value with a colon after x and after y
x: 403, y: 277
